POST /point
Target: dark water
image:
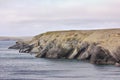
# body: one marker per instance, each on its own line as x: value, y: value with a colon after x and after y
x: 21, y: 66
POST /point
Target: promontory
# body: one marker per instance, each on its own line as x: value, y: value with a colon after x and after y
x: 96, y: 46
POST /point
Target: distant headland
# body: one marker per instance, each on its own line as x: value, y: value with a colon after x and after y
x: 6, y: 38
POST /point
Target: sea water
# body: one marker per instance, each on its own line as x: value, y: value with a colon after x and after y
x: 23, y: 66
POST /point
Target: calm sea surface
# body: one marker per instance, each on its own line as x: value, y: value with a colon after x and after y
x: 23, y: 66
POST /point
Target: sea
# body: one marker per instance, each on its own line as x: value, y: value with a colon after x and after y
x: 24, y: 66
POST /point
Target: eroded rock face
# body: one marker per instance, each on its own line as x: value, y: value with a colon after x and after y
x: 23, y: 47
x: 100, y: 56
x: 92, y: 52
x: 35, y: 50
x: 116, y: 54
x: 18, y: 45
x: 97, y: 47
x: 26, y: 49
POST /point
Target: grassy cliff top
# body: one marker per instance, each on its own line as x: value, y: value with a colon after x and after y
x: 108, y: 38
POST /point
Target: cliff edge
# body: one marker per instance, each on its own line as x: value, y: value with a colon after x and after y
x: 96, y: 46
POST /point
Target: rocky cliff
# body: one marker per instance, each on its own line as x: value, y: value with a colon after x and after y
x: 95, y: 46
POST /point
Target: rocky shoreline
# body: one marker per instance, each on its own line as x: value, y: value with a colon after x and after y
x: 96, y: 46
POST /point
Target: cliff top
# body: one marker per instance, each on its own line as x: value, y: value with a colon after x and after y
x: 108, y: 38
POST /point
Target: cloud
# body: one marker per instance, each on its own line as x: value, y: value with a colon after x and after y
x: 30, y: 17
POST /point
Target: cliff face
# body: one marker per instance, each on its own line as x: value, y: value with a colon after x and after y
x: 96, y: 46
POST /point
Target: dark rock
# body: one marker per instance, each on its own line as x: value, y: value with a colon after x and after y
x: 18, y: 45
x: 101, y: 56
x: 74, y: 53
x: 45, y: 50
x: 23, y: 47
x: 83, y: 47
x: 26, y: 49
x: 54, y: 53
x: 92, y: 52
x: 67, y: 49
x: 89, y: 51
x: 95, y: 54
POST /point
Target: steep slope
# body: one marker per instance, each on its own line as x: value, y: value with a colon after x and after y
x: 96, y: 46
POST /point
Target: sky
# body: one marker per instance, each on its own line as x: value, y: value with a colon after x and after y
x: 32, y: 17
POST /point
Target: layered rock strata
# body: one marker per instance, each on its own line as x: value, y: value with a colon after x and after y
x: 96, y: 46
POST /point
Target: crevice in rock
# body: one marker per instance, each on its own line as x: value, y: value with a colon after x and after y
x: 82, y: 49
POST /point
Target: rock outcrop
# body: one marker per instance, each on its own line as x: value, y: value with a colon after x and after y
x: 22, y: 46
x: 95, y: 46
x: 18, y: 45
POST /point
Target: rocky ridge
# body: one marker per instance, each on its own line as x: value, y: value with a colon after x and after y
x: 95, y: 46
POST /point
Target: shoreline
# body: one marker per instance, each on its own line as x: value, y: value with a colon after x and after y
x: 96, y: 46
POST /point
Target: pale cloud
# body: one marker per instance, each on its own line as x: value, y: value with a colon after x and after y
x: 30, y: 17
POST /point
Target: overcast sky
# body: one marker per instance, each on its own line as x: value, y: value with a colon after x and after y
x: 32, y: 17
